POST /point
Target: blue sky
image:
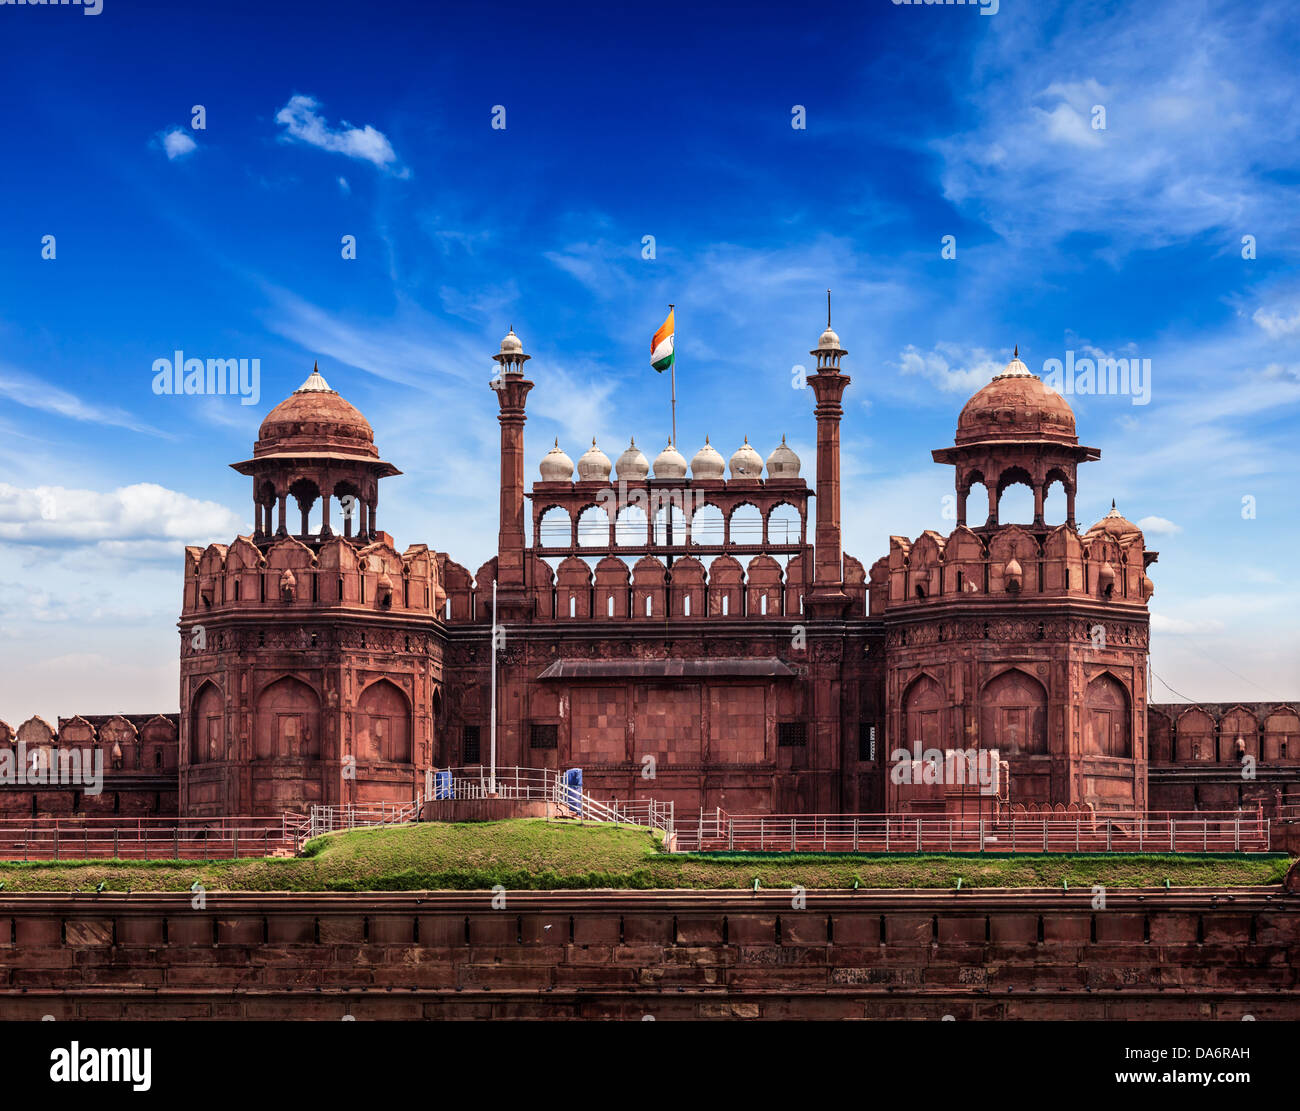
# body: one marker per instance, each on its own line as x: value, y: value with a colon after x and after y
x: 623, y: 121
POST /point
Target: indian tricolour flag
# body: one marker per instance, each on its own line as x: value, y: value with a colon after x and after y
x: 661, y: 347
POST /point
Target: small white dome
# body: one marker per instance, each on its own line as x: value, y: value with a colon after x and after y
x: 1015, y: 368
x: 556, y: 466
x: 708, y: 463
x: 829, y: 338
x: 512, y: 344
x: 783, y: 462
x: 593, y: 465
x: 669, y: 463
x: 632, y: 465
x: 746, y: 462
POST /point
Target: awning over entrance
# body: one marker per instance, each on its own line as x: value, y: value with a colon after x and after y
x: 763, y: 667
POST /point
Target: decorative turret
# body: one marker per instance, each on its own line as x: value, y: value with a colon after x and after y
x: 1016, y: 430
x: 315, y: 446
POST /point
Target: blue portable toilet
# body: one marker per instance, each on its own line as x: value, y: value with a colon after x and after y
x: 573, y: 790
x: 442, y: 785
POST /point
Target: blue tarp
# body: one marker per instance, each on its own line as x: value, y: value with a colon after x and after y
x: 442, y: 785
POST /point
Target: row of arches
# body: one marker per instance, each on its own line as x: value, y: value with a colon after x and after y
x: 287, y: 724
x: 1197, y: 736
x: 314, y: 501
x: 1014, y: 496
x: 1012, y: 716
x: 631, y: 526
x: 650, y: 589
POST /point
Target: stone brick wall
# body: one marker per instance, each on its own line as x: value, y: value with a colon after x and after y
x: 1028, y: 955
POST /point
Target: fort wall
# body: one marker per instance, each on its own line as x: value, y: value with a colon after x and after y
x: 1182, y: 954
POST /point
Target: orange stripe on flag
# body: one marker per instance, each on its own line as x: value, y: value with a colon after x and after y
x: 665, y: 330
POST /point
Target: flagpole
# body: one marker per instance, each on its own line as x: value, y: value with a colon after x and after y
x: 673, y: 369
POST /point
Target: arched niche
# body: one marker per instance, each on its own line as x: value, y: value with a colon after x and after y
x: 1106, y: 730
x: 287, y: 721
x: 382, y: 724
x: 1013, y: 715
x: 923, y: 704
x: 207, y: 725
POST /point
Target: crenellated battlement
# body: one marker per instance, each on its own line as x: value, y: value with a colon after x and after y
x: 1013, y: 561
x: 289, y: 576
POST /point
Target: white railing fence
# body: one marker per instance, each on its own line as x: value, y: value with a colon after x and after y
x: 477, y: 782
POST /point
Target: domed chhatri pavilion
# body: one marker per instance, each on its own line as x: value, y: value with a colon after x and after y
x: 698, y: 618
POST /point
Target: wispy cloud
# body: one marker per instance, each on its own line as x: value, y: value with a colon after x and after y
x: 35, y: 393
x: 303, y: 124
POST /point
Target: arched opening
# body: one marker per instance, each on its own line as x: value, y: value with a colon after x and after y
x: 207, y: 726
x: 348, y: 521
x: 1106, y: 717
x: 670, y: 515
x: 923, y: 715
x: 382, y: 724
x: 555, y: 528
x: 1013, y: 715
x: 630, y: 527
x: 974, y: 509
x: 747, y: 525
x: 1015, y: 497
x: 593, y: 528
x: 707, y: 526
x: 305, y: 494
x: 784, y: 524
x: 1055, y: 500
x: 287, y: 722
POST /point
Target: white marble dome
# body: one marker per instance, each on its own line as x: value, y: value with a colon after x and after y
x: 783, y: 462
x: 632, y: 464
x: 746, y: 462
x: 708, y: 463
x: 593, y: 465
x: 556, y: 466
x: 511, y: 344
x: 670, y: 463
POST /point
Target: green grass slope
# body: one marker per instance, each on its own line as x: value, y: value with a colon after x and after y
x: 537, y: 854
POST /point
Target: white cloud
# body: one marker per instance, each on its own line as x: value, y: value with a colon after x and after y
x: 177, y: 143
x: 367, y: 144
x: 1158, y: 526
x: 950, y: 367
x: 1187, y: 134
x: 1275, y: 324
x: 143, y: 514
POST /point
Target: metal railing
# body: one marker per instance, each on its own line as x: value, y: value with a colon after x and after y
x: 476, y: 782
x: 217, y: 838
x: 1187, y: 832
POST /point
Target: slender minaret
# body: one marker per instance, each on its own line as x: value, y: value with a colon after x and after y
x: 828, y: 598
x: 512, y: 391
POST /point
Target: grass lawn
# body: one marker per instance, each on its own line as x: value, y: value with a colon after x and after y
x: 534, y: 853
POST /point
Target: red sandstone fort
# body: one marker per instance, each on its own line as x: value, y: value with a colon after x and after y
x: 689, y: 618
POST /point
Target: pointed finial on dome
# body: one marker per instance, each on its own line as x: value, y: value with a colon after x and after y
x: 315, y: 381
x: 1112, y: 504
x: 1016, y: 353
x: 828, y: 308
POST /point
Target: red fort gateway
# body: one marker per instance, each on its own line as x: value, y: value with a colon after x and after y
x: 690, y: 618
